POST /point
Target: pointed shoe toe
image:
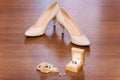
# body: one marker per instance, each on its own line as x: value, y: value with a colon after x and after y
x: 32, y: 32
x: 80, y: 40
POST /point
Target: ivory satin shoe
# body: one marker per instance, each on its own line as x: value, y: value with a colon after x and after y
x: 41, y: 24
x: 65, y: 20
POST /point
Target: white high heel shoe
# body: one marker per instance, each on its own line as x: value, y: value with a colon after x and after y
x: 40, y: 26
x: 77, y: 37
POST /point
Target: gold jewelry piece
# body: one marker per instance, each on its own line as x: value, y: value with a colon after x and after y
x: 46, y: 67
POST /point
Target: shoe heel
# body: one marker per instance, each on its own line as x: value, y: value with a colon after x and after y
x: 54, y: 21
x: 62, y: 29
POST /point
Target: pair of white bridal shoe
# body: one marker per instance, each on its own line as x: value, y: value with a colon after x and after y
x: 54, y: 12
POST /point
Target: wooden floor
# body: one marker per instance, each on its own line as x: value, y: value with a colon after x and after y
x: 19, y: 55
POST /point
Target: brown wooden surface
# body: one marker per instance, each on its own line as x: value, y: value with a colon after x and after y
x: 19, y: 56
